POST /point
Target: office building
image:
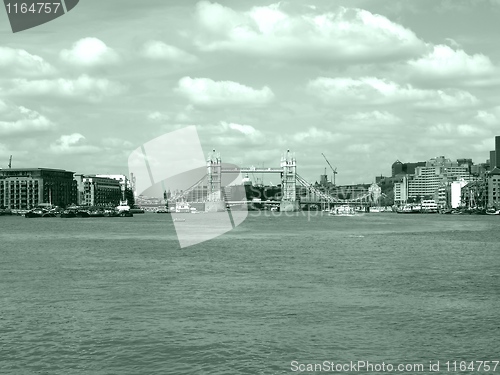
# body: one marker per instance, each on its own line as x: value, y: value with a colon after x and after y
x: 401, y: 191
x: 497, y: 152
x: 99, y: 191
x: 399, y: 168
x: 436, y: 171
x: 27, y: 188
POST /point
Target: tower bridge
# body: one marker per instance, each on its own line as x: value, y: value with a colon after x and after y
x: 296, y: 192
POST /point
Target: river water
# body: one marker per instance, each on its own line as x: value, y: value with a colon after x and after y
x: 119, y: 296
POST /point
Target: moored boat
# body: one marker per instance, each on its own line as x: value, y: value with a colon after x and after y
x: 68, y: 213
x: 344, y: 210
x: 492, y: 211
x: 36, y: 212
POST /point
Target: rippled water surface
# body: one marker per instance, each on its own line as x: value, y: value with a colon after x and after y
x: 118, y: 295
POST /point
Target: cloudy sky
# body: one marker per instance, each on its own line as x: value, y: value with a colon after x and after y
x: 364, y: 82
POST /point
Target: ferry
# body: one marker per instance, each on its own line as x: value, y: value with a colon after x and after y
x: 492, y: 211
x: 429, y: 207
x: 344, y: 210
x: 182, y: 207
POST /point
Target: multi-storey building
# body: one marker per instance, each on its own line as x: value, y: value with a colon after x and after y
x: 198, y: 194
x: 26, y: 188
x: 494, y: 188
x: 399, y: 168
x: 401, y: 191
x: 99, y: 191
x: 436, y: 172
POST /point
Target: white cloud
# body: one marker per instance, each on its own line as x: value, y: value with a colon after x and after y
x: 450, y: 130
x: 15, y: 120
x: 72, y: 144
x: 245, y: 129
x: 445, y: 62
x: 315, y: 135
x: 486, y: 118
x: 111, y: 142
x: 157, y: 50
x: 158, y: 116
x: 93, y: 89
x: 206, y: 92
x: 376, y: 91
x: 89, y: 52
x: 373, y: 117
x: 347, y: 34
x: 21, y: 63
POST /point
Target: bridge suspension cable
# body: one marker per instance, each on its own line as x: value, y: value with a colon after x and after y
x: 183, y: 193
x: 329, y: 197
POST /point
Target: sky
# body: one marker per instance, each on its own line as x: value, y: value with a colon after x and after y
x: 364, y: 82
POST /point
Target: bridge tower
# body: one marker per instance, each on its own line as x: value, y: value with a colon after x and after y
x: 215, y: 200
x: 288, y: 183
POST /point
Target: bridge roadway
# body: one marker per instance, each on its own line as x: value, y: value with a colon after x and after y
x: 251, y: 170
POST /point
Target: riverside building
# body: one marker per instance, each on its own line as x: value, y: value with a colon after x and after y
x: 98, y: 191
x: 432, y: 180
x: 436, y: 171
x: 26, y: 188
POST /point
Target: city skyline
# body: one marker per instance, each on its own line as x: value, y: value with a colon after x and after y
x: 366, y: 83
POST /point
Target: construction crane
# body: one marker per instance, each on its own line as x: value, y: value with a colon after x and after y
x: 333, y: 170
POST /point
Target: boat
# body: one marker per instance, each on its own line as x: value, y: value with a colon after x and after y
x: 82, y: 213
x: 162, y: 211
x: 179, y: 219
x: 492, y: 211
x: 123, y: 206
x: 68, y: 213
x: 111, y: 213
x: 96, y: 213
x: 123, y: 209
x: 182, y: 207
x: 429, y: 207
x: 5, y: 212
x: 344, y: 210
x: 36, y: 212
x: 408, y: 209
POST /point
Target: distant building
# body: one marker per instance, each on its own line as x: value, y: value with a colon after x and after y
x: 26, y: 188
x: 475, y: 194
x: 456, y: 193
x: 479, y: 170
x: 197, y: 194
x: 494, y: 188
x: 100, y: 191
x: 497, y: 152
x: 125, y: 183
x: 492, y: 160
x: 399, y: 168
x: 437, y: 171
x: 401, y: 191
x: 323, y: 179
